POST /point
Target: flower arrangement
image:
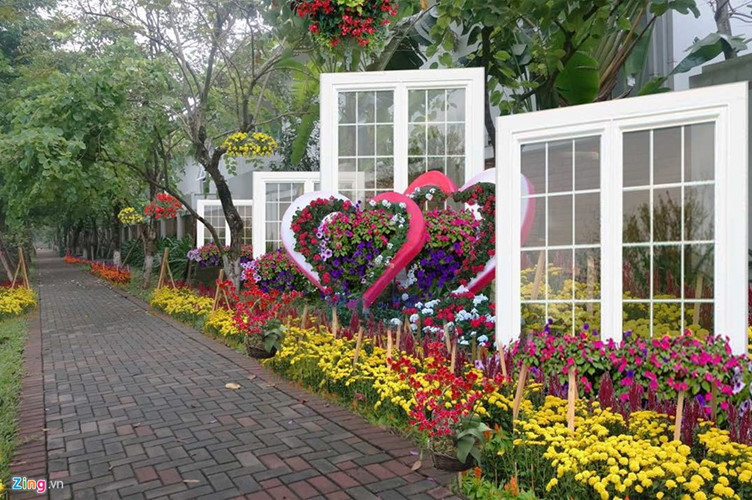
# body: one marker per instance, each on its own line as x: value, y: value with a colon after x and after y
x: 349, y: 247
x: 332, y: 21
x: 164, y: 206
x: 16, y: 301
x: 276, y: 271
x: 256, y: 317
x: 130, y: 216
x: 249, y: 145
x: 209, y: 255
x: 480, y: 197
x: 111, y: 273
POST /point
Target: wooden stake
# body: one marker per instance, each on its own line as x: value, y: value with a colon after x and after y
x: 538, y: 275
x: 358, y: 344
x: 571, y: 397
x: 502, y: 361
x: 23, y: 267
x: 520, y: 389
x: 335, y: 322
x: 218, y: 290
x: 679, y: 415
x: 446, y: 337
x: 388, y: 343
x: 162, y: 268
x: 474, y: 351
x: 698, y: 295
x: 188, y: 274
x: 304, y: 317
x: 454, y: 356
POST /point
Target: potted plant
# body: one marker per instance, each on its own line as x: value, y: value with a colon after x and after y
x: 267, y: 342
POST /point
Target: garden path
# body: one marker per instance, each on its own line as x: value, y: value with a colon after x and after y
x: 136, y: 406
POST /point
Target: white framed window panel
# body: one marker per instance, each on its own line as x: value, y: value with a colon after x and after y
x: 273, y: 193
x: 212, y: 211
x: 672, y: 207
x: 386, y: 128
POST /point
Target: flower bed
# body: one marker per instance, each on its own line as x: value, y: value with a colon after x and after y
x: 16, y: 301
x: 182, y: 303
x: 116, y: 275
x: 209, y: 255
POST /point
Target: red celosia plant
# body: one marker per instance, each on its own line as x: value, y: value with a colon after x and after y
x: 447, y: 407
x: 117, y: 275
x: 165, y: 206
x: 335, y: 20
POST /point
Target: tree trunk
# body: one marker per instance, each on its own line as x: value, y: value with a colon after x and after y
x: 230, y: 259
x: 116, y: 228
x: 150, y: 248
x: 486, y: 58
x: 723, y: 24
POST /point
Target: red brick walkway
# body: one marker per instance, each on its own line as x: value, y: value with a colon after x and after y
x: 136, y: 406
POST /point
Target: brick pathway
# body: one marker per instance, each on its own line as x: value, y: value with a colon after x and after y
x: 136, y: 407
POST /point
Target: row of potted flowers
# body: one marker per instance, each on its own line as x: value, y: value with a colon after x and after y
x: 107, y: 271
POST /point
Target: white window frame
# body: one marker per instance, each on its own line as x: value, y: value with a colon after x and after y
x: 471, y: 79
x: 726, y: 105
x: 260, y: 180
x: 201, y: 229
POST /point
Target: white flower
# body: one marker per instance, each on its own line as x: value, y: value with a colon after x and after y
x: 463, y: 316
x: 403, y: 205
x: 414, y: 328
x: 429, y: 196
x: 372, y: 203
x: 483, y: 339
x: 463, y: 342
x: 490, y: 318
x: 386, y: 203
x: 479, y: 299
x: 389, y: 245
x: 427, y: 311
x: 414, y: 318
x: 433, y: 303
x: 461, y: 289
x: 405, y: 296
x: 378, y: 259
x: 395, y: 322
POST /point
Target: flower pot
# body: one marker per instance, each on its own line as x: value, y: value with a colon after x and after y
x: 443, y: 461
x: 257, y: 351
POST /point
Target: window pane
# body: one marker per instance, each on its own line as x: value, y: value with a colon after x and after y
x: 534, y: 165
x: 384, y: 174
x: 560, y: 274
x: 346, y: 107
x: 417, y: 140
x: 667, y: 319
x: 416, y: 102
x: 533, y: 275
x: 588, y: 163
x: 587, y: 269
x: 537, y: 235
x: 698, y: 271
x: 636, y: 159
x: 415, y: 167
x: 455, y: 139
x: 384, y: 140
x: 667, y: 271
x: 533, y: 317
x: 366, y: 167
x: 455, y: 169
x: 436, y: 109
x: 366, y: 107
x: 436, y: 140
x: 560, y: 220
x: 699, y: 211
x: 385, y: 106
x: 346, y: 140
x: 699, y: 152
x: 587, y: 218
x: 559, y: 166
x: 636, y: 216
x: 456, y: 105
x: 698, y: 316
x: 667, y: 155
x: 366, y: 140
x: 667, y: 209
x: 636, y: 272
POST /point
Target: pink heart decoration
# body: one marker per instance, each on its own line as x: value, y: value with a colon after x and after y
x: 288, y: 235
x: 416, y: 237
x: 438, y: 179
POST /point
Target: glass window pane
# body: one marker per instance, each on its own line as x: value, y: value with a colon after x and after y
x: 272, y: 231
x: 384, y: 140
x: 272, y: 211
x: 366, y: 107
x: 384, y: 174
x: 667, y: 271
x: 436, y: 140
x: 366, y: 167
x: 587, y: 218
x: 436, y: 105
x: 667, y: 155
x: 346, y: 107
x: 416, y: 102
x: 667, y: 319
x: 587, y: 265
x: 560, y: 268
x: 456, y: 105
x: 347, y: 165
x: 435, y: 163
x: 455, y: 139
x: 559, y: 166
x: 636, y: 158
x: 533, y: 317
x: 587, y: 163
x: 532, y: 275
x: 346, y: 140
x: 366, y: 140
x: 636, y: 318
x: 455, y: 169
x: 533, y: 159
x: 698, y: 316
x: 699, y: 211
x: 385, y: 106
x: 699, y: 152
x: 560, y: 220
x: 415, y: 167
x: 667, y: 209
x: 417, y: 140
x: 636, y: 272
x: 537, y: 235
x: 636, y: 216
x: 698, y: 271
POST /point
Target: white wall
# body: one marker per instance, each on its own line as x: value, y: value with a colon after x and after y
x: 686, y: 28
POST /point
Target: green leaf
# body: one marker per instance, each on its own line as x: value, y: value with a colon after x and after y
x: 464, y: 447
x: 579, y: 81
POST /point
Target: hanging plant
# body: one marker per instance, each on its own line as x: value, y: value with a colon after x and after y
x: 332, y: 21
x: 164, y: 206
x: 129, y: 216
x: 249, y: 145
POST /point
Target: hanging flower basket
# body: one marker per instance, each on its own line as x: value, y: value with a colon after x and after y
x: 334, y: 21
x: 164, y: 206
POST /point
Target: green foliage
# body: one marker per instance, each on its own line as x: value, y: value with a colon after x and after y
x: 12, y: 340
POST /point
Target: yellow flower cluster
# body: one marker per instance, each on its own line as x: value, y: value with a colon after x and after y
x: 130, y: 216
x: 182, y: 303
x: 220, y: 323
x: 16, y: 301
x: 640, y: 463
x: 249, y: 145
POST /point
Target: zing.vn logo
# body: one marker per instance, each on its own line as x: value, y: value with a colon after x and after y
x: 38, y: 485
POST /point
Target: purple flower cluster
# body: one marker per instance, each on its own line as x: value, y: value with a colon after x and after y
x: 437, y: 269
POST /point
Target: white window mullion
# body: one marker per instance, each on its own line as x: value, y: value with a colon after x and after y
x: 611, y: 233
x: 401, y: 139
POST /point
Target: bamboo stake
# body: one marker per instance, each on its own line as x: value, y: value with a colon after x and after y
x: 397, y: 340
x: 358, y: 344
x: 335, y: 322
x: 538, y: 275
x: 454, y: 356
x: 502, y: 361
x: 446, y: 337
x: 304, y: 317
x: 679, y: 415
x: 388, y: 344
x: 698, y: 295
x: 571, y: 397
x: 15, y: 275
x: 169, y: 271
x: 162, y: 268
x: 474, y: 351
x: 22, y: 259
x: 218, y: 290
x: 518, y: 395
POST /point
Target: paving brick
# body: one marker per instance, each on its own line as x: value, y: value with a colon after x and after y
x: 146, y: 410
